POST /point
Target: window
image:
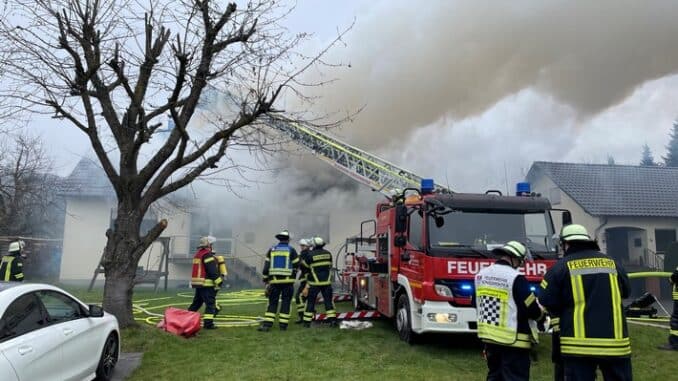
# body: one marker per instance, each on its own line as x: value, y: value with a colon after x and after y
x: 415, y: 231
x: 60, y: 307
x: 22, y: 316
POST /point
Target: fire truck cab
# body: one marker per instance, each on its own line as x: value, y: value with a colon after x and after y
x: 419, y: 265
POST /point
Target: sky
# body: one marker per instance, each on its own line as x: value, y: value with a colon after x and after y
x: 471, y: 92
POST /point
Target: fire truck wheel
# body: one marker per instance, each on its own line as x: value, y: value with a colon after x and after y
x: 404, y: 321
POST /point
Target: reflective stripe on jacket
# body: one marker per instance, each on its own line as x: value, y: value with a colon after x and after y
x: 205, y: 272
x: 496, y: 308
x: 11, y: 268
x: 280, y: 263
x: 318, y: 263
x: 585, y: 290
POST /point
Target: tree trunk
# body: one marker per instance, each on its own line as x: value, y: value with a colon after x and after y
x: 121, y: 256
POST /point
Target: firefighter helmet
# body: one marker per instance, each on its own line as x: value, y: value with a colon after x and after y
x: 304, y: 242
x: 16, y: 246
x: 283, y: 235
x: 204, y: 242
x: 318, y: 242
x: 574, y: 232
x: 513, y: 249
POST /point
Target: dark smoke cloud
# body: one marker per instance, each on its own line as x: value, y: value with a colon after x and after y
x: 413, y: 63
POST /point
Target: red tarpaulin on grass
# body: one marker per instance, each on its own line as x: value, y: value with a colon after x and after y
x: 180, y: 322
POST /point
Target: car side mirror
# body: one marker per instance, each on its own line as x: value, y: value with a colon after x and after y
x: 95, y: 311
x: 567, y: 218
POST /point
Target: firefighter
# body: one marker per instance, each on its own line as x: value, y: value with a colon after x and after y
x: 12, y: 266
x: 205, y: 278
x: 585, y: 290
x: 279, y: 270
x: 302, y: 290
x: 673, y: 329
x: 318, y: 264
x: 505, y: 305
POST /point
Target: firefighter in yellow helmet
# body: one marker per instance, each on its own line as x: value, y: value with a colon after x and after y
x: 505, y: 305
x: 12, y: 266
x: 206, y: 280
x: 585, y: 290
x: 279, y: 273
x: 318, y: 263
x: 673, y: 329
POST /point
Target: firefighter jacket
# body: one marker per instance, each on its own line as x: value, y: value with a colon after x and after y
x: 318, y: 263
x: 504, y: 306
x: 584, y: 290
x: 12, y: 268
x: 674, y: 284
x: 303, y: 270
x: 280, y: 264
x: 205, y: 271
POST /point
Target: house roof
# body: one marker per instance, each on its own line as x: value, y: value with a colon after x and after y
x: 88, y: 179
x: 615, y: 190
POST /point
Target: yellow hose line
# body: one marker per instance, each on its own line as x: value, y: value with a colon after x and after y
x: 142, y: 309
x: 649, y: 274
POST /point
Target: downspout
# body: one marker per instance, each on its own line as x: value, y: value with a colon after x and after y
x: 597, y: 231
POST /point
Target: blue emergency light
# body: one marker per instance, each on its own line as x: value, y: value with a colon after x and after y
x: 427, y: 186
x: 466, y: 287
x: 523, y: 189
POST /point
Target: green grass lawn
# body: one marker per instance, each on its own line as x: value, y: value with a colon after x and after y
x: 324, y: 353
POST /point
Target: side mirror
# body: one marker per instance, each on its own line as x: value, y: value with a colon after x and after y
x: 440, y: 221
x: 400, y: 219
x: 567, y: 217
x: 95, y: 311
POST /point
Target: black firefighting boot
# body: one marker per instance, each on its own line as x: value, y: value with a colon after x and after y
x: 301, y: 318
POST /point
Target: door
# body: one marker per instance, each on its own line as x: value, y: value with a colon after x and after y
x: 28, y: 343
x: 80, y: 342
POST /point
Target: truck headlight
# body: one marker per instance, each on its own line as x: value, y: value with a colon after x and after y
x: 443, y: 290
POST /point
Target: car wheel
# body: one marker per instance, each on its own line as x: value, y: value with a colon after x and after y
x: 109, y: 357
x: 404, y: 321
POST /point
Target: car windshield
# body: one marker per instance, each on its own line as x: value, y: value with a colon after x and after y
x: 479, y: 232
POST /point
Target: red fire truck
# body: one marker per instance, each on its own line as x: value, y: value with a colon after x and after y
x: 418, y: 266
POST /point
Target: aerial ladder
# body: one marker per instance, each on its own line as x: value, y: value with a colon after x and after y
x: 364, y: 167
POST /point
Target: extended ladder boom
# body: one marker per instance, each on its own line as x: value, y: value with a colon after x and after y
x: 368, y: 169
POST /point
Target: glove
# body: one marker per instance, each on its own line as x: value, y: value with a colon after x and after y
x: 267, y: 290
x: 304, y: 292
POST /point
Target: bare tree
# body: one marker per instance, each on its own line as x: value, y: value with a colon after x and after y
x: 116, y: 69
x: 26, y: 186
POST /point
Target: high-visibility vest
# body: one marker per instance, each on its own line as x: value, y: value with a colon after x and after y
x: 497, y: 312
x: 281, y: 263
x: 198, y: 272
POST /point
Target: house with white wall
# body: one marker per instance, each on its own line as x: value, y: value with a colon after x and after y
x: 631, y: 210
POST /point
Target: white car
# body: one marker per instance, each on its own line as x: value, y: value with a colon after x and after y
x: 48, y: 334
